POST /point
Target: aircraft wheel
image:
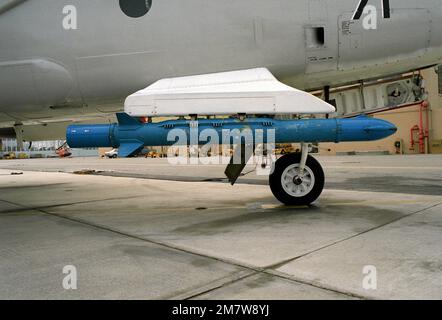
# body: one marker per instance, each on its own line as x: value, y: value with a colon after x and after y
x: 293, y: 189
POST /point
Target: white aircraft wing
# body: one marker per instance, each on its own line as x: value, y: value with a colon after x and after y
x: 254, y: 91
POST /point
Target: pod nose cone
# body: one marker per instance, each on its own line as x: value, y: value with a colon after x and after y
x: 364, y: 128
x: 380, y: 129
x: 393, y: 129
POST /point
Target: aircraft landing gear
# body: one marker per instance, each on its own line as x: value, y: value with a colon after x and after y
x: 298, y: 179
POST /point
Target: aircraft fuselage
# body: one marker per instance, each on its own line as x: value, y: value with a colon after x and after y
x: 76, y: 57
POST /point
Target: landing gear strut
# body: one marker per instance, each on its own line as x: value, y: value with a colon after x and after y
x: 298, y: 178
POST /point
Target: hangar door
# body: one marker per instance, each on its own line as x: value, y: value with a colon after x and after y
x: 406, y: 32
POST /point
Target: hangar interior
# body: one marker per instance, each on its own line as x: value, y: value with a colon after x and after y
x: 400, y: 101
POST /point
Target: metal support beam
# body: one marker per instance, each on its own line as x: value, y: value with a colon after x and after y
x: 19, y: 134
x: 327, y: 98
x: 304, y: 155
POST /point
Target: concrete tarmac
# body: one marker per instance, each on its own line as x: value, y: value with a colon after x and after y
x: 143, y: 229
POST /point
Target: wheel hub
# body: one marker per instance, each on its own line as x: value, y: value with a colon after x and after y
x: 295, y: 183
x: 297, y: 180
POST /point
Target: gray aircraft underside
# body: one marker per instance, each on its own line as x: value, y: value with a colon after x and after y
x: 48, y: 73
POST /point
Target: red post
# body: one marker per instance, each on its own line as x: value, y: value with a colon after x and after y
x: 412, y: 130
x: 423, y: 130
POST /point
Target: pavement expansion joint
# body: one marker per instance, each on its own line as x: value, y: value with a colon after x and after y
x: 280, y: 264
x: 195, y: 292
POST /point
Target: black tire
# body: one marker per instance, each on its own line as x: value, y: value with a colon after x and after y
x: 114, y: 156
x: 276, y: 183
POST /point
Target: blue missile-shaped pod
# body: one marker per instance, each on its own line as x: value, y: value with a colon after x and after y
x: 130, y: 135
